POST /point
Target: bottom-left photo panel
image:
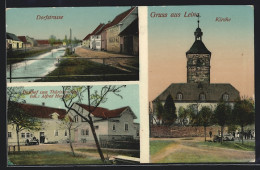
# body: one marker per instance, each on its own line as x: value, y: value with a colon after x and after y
x: 73, y: 125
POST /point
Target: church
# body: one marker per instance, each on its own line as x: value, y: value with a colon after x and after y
x: 198, y: 91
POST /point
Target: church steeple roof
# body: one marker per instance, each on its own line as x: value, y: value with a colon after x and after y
x: 198, y: 46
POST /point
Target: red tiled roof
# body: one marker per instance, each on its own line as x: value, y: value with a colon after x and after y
x: 58, y: 43
x: 87, y: 37
x: 43, y: 41
x: 41, y: 111
x: 119, y: 17
x: 22, y: 38
x: 97, y: 29
x: 103, y: 112
x: 103, y: 28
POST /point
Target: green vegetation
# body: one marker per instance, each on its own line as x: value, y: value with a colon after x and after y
x: 109, y: 152
x: 157, y: 145
x: 69, y: 67
x: 50, y: 158
x: 187, y: 156
x: 18, y: 56
x: 247, y: 146
x: 188, y: 150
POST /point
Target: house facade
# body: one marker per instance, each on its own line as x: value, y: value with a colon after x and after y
x: 86, y: 41
x: 26, y: 44
x: 53, y: 129
x: 130, y: 38
x: 120, y: 22
x: 32, y: 41
x: 198, y: 91
x: 13, y: 41
x: 43, y: 43
x: 95, y: 39
x: 114, y: 124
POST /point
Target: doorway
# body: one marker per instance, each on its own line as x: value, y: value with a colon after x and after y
x: 42, y: 137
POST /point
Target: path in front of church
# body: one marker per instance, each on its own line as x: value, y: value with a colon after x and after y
x: 189, y: 151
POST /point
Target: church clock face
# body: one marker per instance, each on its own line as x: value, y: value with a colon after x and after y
x: 198, y: 62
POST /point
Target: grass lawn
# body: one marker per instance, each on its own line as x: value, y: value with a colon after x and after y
x: 69, y: 67
x: 113, y: 152
x: 187, y: 156
x: 49, y: 158
x: 247, y: 146
x: 157, y: 145
x: 191, y: 150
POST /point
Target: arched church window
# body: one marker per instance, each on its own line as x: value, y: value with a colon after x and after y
x: 179, y: 96
x: 202, y: 96
x: 225, y: 97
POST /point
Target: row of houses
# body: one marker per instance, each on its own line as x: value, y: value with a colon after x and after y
x: 112, y: 124
x: 23, y: 42
x: 120, y: 35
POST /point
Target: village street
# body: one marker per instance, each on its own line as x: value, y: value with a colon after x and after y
x: 193, y: 150
x: 120, y: 61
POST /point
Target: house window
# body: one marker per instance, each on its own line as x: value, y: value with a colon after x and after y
x: 195, y: 108
x: 137, y: 133
x: 76, y: 118
x: 202, y: 96
x: 225, y: 97
x: 96, y: 127
x: 114, y: 127
x: 66, y: 133
x: 56, y: 133
x: 9, y: 135
x: 83, y: 140
x: 179, y: 96
x: 126, y: 126
x: 22, y: 135
x: 82, y: 132
x: 28, y: 135
x: 87, y: 132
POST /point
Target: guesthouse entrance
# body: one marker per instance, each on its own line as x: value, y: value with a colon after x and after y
x: 42, y: 137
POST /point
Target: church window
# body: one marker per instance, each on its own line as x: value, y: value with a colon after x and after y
x: 9, y: 134
x: 179, y: 96
x: 225, y: 97
x: 56, y: 133
x: 126, y: 126
x: 194, y: 108
x: 202, y: 96
x: 114, y: 127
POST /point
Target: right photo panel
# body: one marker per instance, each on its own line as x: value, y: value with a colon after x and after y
x: 201, y: 84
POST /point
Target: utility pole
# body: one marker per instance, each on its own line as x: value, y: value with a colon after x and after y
x: 70, y: 41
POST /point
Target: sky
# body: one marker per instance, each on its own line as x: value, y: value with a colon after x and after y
x: 130, y: 95
x: 231, y: 45
x: 82, y: 21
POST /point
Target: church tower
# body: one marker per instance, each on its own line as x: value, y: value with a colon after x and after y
x: 198, y: 60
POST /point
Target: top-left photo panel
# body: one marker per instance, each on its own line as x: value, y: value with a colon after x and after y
x: 66, y: 44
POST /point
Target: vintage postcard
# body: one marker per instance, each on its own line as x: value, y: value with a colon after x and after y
x: 72, y: 44
x: 73, y: 125
x: 201, y: 84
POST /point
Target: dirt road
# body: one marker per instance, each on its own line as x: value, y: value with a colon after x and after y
x: 125, y: 62
x: 190, y: 148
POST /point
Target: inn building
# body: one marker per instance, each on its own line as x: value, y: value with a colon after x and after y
x: 198, y: 91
